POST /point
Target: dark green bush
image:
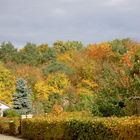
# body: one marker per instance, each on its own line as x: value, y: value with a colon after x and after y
x: 107, y: 106
x: 10, y: 113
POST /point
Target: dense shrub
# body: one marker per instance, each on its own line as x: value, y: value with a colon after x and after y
x: 75, y: 126
x: 10, y: 113
x: 108, y: 106
x: 9, y: 126
x: 14, y: 127
x: 4, y: 125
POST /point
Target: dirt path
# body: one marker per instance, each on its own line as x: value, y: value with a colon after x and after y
x: 4, y: 137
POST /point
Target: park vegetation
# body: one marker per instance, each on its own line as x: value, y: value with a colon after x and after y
x: 99, y: 80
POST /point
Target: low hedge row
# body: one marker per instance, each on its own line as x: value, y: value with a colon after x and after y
x: 68, y: 127
x: 10, y: 126
x: 73, y: 126
x: 4, y: 125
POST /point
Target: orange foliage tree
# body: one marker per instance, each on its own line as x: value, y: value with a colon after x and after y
x: 100, y: 51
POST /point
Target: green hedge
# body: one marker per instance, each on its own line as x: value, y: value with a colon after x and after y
x: 66, y: 127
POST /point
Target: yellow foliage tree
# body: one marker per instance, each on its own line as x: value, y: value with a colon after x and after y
x: 7, y: 84
x: 42, y: 48
x: 66, y: 57
x: 87, y: 87
x: 55, y: 83
x: 58, y: 82
x: 41, y: 90
x: 84, y: 67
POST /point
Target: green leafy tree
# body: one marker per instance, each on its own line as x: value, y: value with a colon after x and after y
x: 57, y: 67
x: 133, y: 104
x: 29, y: 55
x: 119, y: 46
x: 21, y: 98
x: 106, y: 105
x: 135, y: 73
x: 7, y: 52
x: 53, y: 99
x: 48, y: 55
x: 136, y: 65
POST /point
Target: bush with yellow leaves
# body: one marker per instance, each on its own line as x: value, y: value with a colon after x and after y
x: 7, y: 84
x: 68, y: 126
x: 55, y: 83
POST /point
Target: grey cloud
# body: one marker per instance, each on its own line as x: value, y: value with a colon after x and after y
x: 85, y: 20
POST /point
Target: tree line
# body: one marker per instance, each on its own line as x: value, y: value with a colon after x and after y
x: 97, y: 78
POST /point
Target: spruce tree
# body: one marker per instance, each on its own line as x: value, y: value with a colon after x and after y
x: 21, y: 98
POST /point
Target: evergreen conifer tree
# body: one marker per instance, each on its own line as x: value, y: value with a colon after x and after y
x: 21, y: 98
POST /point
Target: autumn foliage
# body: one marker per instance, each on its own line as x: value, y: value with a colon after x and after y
x: 99, y: 78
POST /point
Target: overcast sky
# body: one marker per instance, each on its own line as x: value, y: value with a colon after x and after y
x: 89, y: 21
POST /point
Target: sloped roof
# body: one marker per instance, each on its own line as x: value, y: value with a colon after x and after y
x: 1, y: 102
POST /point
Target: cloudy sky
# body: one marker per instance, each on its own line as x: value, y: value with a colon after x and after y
x: 41, y: 21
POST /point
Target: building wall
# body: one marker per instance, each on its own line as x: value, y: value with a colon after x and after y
x: 2, y: 108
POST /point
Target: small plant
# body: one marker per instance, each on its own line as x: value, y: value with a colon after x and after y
x: 11, y: 113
